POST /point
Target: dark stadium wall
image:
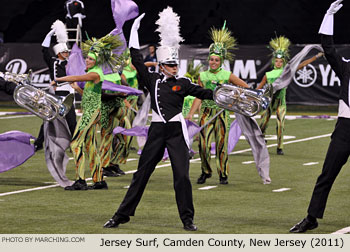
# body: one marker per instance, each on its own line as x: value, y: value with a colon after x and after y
x: 252, y: 21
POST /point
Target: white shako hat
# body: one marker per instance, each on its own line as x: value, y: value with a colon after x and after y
x: 60, y: 47
x: 167, y: 55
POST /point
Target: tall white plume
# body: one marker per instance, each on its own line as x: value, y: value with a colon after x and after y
x: 169, y: 28
x: 60, y: 31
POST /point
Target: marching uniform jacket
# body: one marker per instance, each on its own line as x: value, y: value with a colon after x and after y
x: 341, y: 67
x: 167, y: 94
x: 57, y: 69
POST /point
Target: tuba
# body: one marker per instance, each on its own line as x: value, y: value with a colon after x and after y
x: 244, y: 101
x: 45, y: 105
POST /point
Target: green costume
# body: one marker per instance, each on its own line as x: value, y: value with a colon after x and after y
x: 121, y: 143
x: 280, y: 51
x: 85, y: 132
x: 278, y: 103
x: 85, y: 136
x: 131, y: 78
x: 188, y: 101
x: 193, y: 74
x: 217, y: 129
x: 111, y: 111
x: 222, y: 46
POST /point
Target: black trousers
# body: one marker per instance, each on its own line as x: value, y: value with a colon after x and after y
x: 161, y: 136
x: 71, y: 119
x: 337, y: 155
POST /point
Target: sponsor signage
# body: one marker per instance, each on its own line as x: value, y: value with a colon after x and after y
x: 315, y: 84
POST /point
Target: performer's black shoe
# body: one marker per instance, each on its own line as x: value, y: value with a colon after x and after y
x: 98, y: 185
x: 117, y: 170
x: 223, y: 180
x: 107, y: 172
x: 38, y: 147
x: 202, y: 178
x: 79, y: 184
x: 280, y: 151
x: 115, y: 221
x: 303, y: 226
x: 190, y: 227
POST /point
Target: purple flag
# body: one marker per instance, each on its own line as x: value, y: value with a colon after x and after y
x: 76, y: 64
x: 192, y: 128
x: 233, y: 136
x: 107, y: 85
x: 15, y: 149
x: 122, y: 10
x: 134, y: 131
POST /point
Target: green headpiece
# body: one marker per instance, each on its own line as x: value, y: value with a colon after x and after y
x: 280, y: 48
x: 223, y: 44
x: 102, y: 50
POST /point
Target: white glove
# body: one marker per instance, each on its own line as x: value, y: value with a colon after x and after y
x: 47, y: 40
x: 134, y: 36
x: 335, y: 6
x: 80, y: 17
x: 328, y: 20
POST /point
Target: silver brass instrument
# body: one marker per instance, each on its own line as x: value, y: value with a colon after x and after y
x: 244, y: 101
x: 45, y: 105
x: 17, y: 78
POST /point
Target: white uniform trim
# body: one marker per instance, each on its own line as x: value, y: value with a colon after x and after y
x: 156, y: 98
x: 343, y: 110
x: 64, y: 87
x: 349, y: 93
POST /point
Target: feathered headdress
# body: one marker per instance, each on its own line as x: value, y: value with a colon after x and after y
x: 60, y: 31
x: 223, y: 44
x: 102, y: 50
x: 280, y: 47
x: 61, y: 37
x: 170, y: 38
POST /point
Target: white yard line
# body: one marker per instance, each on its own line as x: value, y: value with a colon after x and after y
x: 248, y: 162
x: 167, y: 165
x: 342, y: 231
x: 207, y: 187
x: 311, y: 163
x: 19, y: 116
x: 32, y: 189
x: 28, y: 190
x: 281, y: 190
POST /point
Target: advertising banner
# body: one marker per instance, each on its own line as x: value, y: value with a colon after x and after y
x: 315, y: 84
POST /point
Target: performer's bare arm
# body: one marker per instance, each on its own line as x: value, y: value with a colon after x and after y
x: 308, y: 61
x: 76, y: 87
x: 92, y: 76
x: 150, y: 64
x: 237, y: 81
x: 262, y: 83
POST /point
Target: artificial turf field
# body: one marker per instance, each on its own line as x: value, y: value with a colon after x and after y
x: 244, y: 206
